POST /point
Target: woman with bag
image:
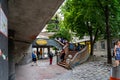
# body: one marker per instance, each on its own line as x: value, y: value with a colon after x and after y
x: 117, y: 53
x: 34, y: 57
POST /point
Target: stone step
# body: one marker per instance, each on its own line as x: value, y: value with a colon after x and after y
x: 65, y: 65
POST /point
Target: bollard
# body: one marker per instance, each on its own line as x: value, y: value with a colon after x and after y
x: 115, y: 73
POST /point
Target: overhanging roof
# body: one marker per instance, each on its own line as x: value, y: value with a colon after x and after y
x: 28, y: 17
x: 46, y: 43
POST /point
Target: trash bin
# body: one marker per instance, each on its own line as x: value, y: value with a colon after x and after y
x: 115, y: 73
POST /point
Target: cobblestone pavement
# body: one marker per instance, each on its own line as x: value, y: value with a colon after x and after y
x: 42, y: 71
x: 92, y: 70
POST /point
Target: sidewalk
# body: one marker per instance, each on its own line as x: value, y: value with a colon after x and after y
x: 43, y: 71
x: 92, y: 70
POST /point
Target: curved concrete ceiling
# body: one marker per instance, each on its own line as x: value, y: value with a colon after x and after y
x: 28, y: 17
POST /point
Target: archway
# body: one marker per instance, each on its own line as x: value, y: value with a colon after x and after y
x: 40, y: 44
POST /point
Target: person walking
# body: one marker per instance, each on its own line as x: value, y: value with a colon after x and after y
x: 117, y: 53
x: 51, y: 57
x: 62, y: 57
x: 41, y: 53
x: 34, y: 57
x: 66, y: 49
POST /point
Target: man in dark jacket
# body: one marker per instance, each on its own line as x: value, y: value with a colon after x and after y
x: 51, y: 57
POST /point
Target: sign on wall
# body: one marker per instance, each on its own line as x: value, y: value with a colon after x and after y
x: 3, y: 23
x: 41, y: 42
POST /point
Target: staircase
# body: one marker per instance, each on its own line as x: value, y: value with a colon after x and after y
x: 75, y: 58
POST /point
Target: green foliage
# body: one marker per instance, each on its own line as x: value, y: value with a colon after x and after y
x: 93, y: 18
x: 52, y: 27
x: 78, y: 12
x: 63, y: 33
x: 115, y: 19
x: 58, y: 28
x: 53, y: 24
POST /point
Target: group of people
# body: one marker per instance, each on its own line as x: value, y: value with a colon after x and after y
x: 50, y: 55
x: 35, y: 57
x: 62, y: 40
x: 117, y: 53
x: 75, y: 47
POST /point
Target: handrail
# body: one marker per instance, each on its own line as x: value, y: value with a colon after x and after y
x: 80, y: 57
x: 59, y: 42
x: 78, y: 53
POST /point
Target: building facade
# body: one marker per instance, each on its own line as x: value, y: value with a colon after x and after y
x: 3, y: 40
x: 100, y: 47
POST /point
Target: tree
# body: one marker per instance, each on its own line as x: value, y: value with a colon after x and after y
x: 58, y: 27
x: 53, y: 24
x: 94, y: 18
x: 62, y: 33
x: 81, y: 16
x: 111, y: 11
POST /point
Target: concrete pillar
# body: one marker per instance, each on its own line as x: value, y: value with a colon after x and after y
x: 41, y: 53
x: 27, y: 58
x: 11, y: 55
x: 37, y: 53
x: 48, y: 50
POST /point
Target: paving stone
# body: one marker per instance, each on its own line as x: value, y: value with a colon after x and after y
x: 96, y: 70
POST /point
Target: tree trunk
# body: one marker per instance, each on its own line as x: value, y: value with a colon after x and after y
x: 106, y: 13
x: 91, y: 37
x: 91, y: 42
x: 109, y: 59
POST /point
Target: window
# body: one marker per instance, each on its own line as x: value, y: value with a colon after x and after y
x: 95, y: 46
x: 113, y: 43
x: 102, y: 44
